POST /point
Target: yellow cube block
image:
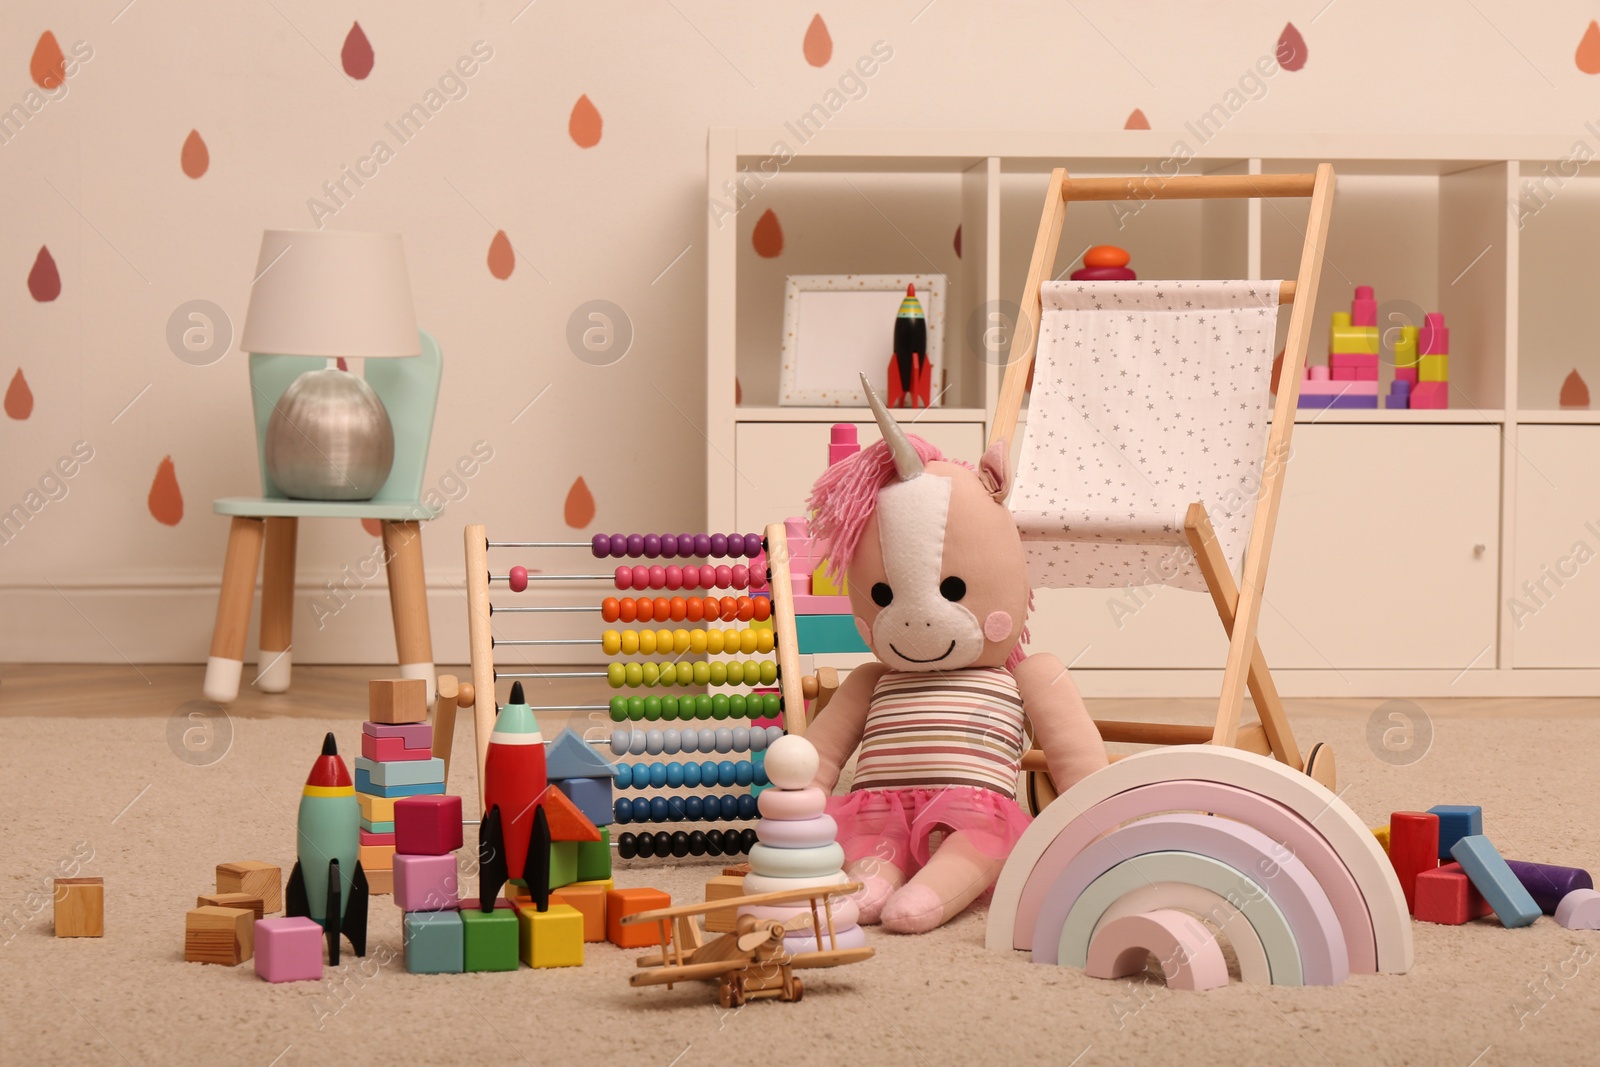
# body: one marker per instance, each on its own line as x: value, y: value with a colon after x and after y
x: 1405, y: 347
x: 376, y: 808
x: 1433, y: 368
x: 822, y: 585
x: 552, y: 938
x: 1353, y: 340
x: 1382, y: 834
x: 377, y: 858
x: 605, y: 883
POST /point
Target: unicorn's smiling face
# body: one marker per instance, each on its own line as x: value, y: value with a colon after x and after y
x: 938, y: 580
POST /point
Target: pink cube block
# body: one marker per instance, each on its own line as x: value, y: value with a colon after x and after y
x: 822, y: 605
x: 425, y: 883
x: 1434, y: 395
x: 1406, y: 374
x: 1364, y: 308
x: 427, y: 825
x: 288, y: 950
x: 1339, y: 388
x: 391, y: 750
x: 1362, y: 360
x: 1434, y: 337
x: 1355, y: 374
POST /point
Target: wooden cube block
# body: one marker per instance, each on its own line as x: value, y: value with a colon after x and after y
x: 552, y: 938
x: 288, y: 950
x: 563, y: 863
x: 427, y: 826
x: 380, y: 883
x: 1455, y: 822
x: 491, y: 940
x: 594, y: 857
x: 258, y: 879
x: 376, y: 809
x: 80, y: 905
x: 623, y: 902
x: 1490, y: 875
x: 434, y: 942
x: 1445, y: 895
x: 376, y: 857
x: 590, y: 901
x: 397, y: 700
x: 722, y: 887
x: 219, y: 935
x: 255, y: 905
x: 1413, y: 848
x: 1382, y: 834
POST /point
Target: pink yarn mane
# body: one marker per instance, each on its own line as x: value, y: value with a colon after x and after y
x: 846, y: 495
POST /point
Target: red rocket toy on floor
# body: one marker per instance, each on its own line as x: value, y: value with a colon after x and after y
x: 514, y: 838
x: 910, y: 369
x: 327, y: 883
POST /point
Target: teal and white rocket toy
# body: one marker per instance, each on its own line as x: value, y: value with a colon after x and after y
x: 327, y: 883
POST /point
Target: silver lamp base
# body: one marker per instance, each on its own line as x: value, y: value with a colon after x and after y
x: 329, y: 438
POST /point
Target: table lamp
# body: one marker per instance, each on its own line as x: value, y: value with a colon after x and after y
x: 330, y: 294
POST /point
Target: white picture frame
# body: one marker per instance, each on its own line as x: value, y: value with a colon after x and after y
x: 837, y: 326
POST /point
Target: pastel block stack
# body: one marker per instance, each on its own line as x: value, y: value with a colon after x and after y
x: 396, y: 761
x: 798, y: 848
x: 427, y: 832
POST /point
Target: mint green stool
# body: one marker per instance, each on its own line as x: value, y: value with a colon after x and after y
x: 409, y: 389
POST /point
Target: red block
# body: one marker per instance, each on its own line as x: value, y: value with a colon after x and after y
x: 370, y: 838
x: 1413, y: 848
x: 1446, y: 895
x: 1360, y: 360
x: 1407, y: 374
x: 392, y: 749
x: 1353, y: 374
x: 427, y: 825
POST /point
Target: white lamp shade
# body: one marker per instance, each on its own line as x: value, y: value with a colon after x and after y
x: 331, y: 293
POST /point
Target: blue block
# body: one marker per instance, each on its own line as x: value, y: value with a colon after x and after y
x: 592, y: 796
x: 378, y: 827
x: 828, y: 634
x: 1455, y: 822
x: 402, y: 772
x: 435, y: 942
x: 1492, y: 877
x: 570, y: 756
x: 365, y: 785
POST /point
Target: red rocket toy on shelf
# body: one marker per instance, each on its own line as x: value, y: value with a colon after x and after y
x: 514, y: 838
x: 910, y: 368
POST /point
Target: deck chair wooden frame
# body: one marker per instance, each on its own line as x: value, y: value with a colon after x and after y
x: 1238, y: 606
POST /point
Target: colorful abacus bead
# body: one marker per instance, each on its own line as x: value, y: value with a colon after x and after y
x: 517, y: 579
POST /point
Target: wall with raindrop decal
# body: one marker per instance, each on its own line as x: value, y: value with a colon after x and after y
x: 541, y: 161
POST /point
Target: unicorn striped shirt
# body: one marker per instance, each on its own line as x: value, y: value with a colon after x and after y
x: 928, y: 729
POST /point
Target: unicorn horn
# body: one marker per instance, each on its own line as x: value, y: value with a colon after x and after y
x: 906, y: 460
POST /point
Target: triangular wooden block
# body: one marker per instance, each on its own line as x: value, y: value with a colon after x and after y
x: 570, y: 756
x: 567, y: 823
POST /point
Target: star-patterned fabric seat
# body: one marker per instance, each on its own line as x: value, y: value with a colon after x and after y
x: 1147, y: 397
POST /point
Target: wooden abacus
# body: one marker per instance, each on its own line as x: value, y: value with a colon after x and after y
x: 775, y: 685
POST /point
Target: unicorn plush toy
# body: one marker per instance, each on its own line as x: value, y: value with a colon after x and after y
x: 939, y: 589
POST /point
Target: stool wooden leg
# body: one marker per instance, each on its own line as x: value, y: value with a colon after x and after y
x: 277, y: 605
x: 408, y: 600
x: 226, y: 662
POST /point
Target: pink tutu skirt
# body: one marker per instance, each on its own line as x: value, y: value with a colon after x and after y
x: 893, y: 825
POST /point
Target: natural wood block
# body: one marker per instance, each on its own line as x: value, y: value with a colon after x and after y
x: 219, y: 935
x: 80, y: 907
x: 255, y: 904
x: 380, y: 883
x: 397, y: 700
x: 722, y: 887
x: 255, y: 878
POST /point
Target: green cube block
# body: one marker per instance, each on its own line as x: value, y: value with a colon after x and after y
x: 563, y: 863
x: 433, y: 942
x: 828, y: 634
x: 489, y: 939
x: 594, y: 858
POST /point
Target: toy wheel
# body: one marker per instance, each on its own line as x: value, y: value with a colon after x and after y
x: 736, y: 997
x: 1320, y: 766
x: 798, y: 991
x: 1038, y: 790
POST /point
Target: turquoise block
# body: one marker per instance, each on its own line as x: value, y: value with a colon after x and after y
x: 1492, y: 877
x: 365, y: 785
x: 402, y: 772
x: 828, y: 633
x: 489, y: 939
x: 1455, y: 822
x: 434, y: 942
x: 378, y: 827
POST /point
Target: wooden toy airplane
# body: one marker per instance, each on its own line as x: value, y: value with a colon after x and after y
x: 751, y: 963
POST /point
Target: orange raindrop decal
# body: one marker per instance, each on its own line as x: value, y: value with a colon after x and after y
x: 502, y: 257
x: 767, y: 236
x: 166, y: 499
x: 583, y: 126
x: 818, y: 45
x: 357, y: 53
x: 44, y: 281
x: 19, y: 398
x: 48, y: 67
x: 1291, y: 48
x: 1136, y: 120
x: 195, y: 158
x: 580, y: 505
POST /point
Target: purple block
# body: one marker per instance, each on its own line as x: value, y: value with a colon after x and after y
x: 1548, y: 883
x: 1353, y: 401
x: 1103, y: 274
x: 288, y: 950
x: 425, y: 883
x: 412, y: 735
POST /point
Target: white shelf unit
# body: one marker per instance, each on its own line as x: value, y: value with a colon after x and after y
x: 1407, y: 540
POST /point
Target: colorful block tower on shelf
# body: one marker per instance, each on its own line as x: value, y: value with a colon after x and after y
x: 396, y: 761
x: 798, y: 849
x: 822, y: 617
x: 1350, y: 380
x: 1433, y: 364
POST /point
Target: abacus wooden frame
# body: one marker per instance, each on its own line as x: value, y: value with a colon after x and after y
x: 1238, y: 607
x: 480, y: 636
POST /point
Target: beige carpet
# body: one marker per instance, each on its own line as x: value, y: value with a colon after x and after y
x: 157, y: 826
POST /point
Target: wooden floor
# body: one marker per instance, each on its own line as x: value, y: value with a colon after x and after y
x: 122, y: 690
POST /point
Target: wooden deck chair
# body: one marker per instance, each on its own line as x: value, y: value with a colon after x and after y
x: 1187, y: 472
